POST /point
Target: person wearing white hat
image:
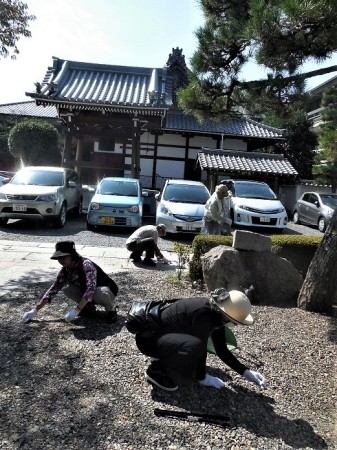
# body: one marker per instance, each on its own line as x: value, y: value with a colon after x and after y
x: 180, y: 343
x: 217, y: 212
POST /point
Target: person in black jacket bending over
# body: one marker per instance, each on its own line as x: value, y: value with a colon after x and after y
x: 181, y: 342
x: 82, y: 281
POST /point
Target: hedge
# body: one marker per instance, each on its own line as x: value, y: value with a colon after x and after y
x: 299, y: 250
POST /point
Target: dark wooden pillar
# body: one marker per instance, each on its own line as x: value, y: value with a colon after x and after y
x: 135, y: 158
x: 66, y: 155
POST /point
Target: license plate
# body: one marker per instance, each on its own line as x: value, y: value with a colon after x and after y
x: 264, y: 219
x: 19, y: 208
x: 108, y: 220
x: 188, y: 227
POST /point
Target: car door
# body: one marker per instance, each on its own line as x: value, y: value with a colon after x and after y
x: 72, y: 189
x: 303, y: 208
x: 313, y: 209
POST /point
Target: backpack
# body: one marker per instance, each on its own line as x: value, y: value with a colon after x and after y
x: 144, y: 317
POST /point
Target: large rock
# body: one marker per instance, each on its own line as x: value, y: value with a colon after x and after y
x: 275, y: 279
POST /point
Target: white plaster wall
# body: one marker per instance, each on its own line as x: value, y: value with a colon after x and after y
x: 170, y: 169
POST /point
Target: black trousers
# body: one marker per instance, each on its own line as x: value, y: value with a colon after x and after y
x: 182, y: 353
x: 145, y: 245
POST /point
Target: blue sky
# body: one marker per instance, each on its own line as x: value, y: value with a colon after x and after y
x: 121, y: 32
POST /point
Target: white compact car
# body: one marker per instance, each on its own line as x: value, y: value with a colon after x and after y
x: 254, y: 204
x: 181, y: 205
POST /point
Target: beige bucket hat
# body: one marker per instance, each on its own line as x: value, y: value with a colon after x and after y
x: 235, y: 305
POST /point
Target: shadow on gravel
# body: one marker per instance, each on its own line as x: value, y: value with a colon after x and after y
x: 240, y: 405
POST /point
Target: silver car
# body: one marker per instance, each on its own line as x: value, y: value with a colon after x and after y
x: 41, y: 193
x: 314, y: 208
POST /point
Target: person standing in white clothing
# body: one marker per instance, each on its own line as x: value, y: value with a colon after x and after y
x: 217, y: 212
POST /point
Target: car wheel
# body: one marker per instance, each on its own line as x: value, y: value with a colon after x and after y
x: 78, y: 209
x: 296, y: 219
x: 321, y: 224
x: 62, y: 217
x: 3, y: 222
x: 90, y: 227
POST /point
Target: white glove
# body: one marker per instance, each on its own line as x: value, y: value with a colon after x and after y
x: 228, y: 221
x: 28, y: 316
x: 255, y: 377
x: 165, y: 260
x: 212, y: 382
x: 71, y: 315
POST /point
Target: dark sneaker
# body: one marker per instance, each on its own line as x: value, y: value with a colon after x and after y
x: 89, y: 310
x: 160, y: 379
x: 111, y: 316
x: 148, y: 262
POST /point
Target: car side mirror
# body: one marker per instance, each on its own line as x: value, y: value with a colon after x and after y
x: 72, y: 184
x: 6, y: 180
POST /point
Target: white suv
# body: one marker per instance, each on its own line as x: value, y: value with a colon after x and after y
x: 41, y: 193
x: 254, y: 204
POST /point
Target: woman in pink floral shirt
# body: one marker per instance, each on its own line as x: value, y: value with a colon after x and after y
x: 82, y: 281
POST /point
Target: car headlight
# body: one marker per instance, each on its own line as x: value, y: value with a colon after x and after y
x: 3, y: 196
x: 133, y: 209
x: 165, y: 210
x: 244, y: 207
x: 95, y: 206
x: 47, y: 198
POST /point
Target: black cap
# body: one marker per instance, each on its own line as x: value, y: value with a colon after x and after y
x: 64, y: 248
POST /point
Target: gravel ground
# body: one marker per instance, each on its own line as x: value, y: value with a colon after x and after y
x: 82, y: 385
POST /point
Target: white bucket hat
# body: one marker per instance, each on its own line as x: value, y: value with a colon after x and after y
x: 235, y: 305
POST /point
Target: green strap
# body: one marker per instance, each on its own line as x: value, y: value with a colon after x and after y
x: 230, y: 341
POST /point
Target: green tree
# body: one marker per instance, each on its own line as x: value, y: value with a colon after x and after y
x: 13, y: 25
x: 279, y: 35
x: 288, y: 114
x: 325, y: 170
x: 35, y: 142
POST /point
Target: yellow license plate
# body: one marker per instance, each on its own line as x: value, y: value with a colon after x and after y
x: 108, y: 220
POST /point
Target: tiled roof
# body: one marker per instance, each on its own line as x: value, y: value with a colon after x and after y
x: 240, y: 162
x: 105, y: 85
x: 29, y: 109
x: 241, y: 127
x: 122, y: 89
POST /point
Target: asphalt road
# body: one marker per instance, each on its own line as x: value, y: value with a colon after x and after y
x: 75, y: 229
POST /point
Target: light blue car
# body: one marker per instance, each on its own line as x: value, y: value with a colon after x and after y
x: 117, y: 202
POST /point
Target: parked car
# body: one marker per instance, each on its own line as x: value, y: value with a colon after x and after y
x: 41, y: 192
x: 117, y: 202
x: 314, y: 208
x: 254, y: 204
x: 181, y: 205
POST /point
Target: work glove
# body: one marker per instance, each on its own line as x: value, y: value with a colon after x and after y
x: 28, y: 316
x: 255, y: 377
x: 71, y: 315
x: 228, y: 222
x: 165, y: 260
x: 210, y: 381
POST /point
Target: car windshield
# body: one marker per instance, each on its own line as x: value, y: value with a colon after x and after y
x: 122, y: 188
x: 185, y: 193
x: 254, y: 190
x: 329, y: 200
x: 38, y: 178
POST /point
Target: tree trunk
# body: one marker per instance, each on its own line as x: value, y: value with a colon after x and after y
x: 319, y: 290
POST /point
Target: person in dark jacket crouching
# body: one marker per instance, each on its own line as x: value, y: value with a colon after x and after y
x: 82, y: 281
x: 180, y: 344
